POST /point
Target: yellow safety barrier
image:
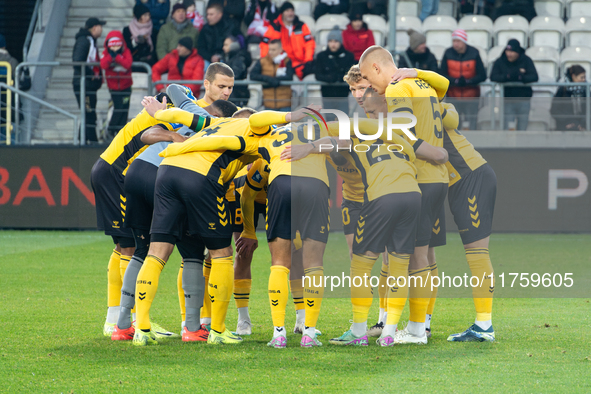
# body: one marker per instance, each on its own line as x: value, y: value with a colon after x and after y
x: 8, y: 109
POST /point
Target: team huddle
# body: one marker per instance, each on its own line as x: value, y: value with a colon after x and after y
x: 197, y: 173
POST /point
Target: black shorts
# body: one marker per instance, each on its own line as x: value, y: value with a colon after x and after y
x: 236, y: 213
x: 433, y: 198
x: 107, y: 184
x: 388, y: 222
x: 191, y: 247
x: 186, y: 201
x: 350, y: 211
x: 140, y: 182
x: 298, y: 204
x: 472, y: 202
x: 438, y: 237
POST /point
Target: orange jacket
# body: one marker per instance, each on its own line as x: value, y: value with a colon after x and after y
x: 299, y: 46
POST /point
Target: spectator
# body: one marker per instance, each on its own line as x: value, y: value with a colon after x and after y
x: 178, y: 27
x: 116, y: 61
x: 6, y: 57
x: 196, y: 18
x: 272, y: 69
x: 159, y: 10
x: 462, y: 65
x: 429, y: 7
x: 259, y: 15
x: 239, y: 60
x: 374, y: 7
x: 515, y: 66
x: 568, y: 105
x: 213, y: 34
x: 331, y: 7
x: 296, y: 39
x: 85, y: 50
x: 330, y: 66
x: 419, y: 55
x: 233, y: 11
x: 183, y: 63
x: 357, y: 37
x: 524, y: 8
x: 138, y: 37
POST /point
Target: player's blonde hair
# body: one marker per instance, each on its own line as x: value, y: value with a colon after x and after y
x: 353, y: 75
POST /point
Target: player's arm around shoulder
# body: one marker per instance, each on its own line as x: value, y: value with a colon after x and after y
x: 428, y: 152
x: 159, y: 133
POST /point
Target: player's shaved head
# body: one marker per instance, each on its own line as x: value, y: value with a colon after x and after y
x: 244, y: 113
x: 377, y: 66
x: 224, y: 108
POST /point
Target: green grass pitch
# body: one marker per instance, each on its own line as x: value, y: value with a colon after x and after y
x: 53, y: 305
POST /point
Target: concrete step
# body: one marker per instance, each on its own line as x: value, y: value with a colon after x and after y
x: 102, y: 13
x: 102, y: 3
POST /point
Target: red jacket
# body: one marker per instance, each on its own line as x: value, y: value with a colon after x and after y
x: 357, y: 41
x: 118, y: 70
x: 192, y: 70
x: 299, y: 46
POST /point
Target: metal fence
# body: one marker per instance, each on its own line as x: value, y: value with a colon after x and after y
x: 6, y: 103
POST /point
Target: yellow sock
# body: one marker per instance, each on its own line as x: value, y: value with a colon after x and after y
x: 297, y: 293
x: 420, y: 294
x: 397, y: 270
x: 480, y: 266
x: 221, y: 283
x: 361, y: 296
x: 206, y: 309
x: 278, y: 294
x: 114, y: 279
x: 313, y: 291
x: 145, y: 289
x: 383, y: 286
x: 242, y: 292
x: 181, y: 292
x: 434, y: 272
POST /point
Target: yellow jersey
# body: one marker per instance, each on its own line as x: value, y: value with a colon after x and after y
x: 272, y: 145
x: 416, y: 96
x: 127, y: 144
x: 463, y: 158
x: 353, y: 189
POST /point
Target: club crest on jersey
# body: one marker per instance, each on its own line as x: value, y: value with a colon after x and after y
x: 257, y: 177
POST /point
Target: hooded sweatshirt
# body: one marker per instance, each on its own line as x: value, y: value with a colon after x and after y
x: 117, y: 65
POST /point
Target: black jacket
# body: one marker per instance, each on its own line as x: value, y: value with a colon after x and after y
x: 211, y: 38
x: 239, y: 61
x: 423, y: 61
x: 80, y: 54
x: 272, y: 12
x: 140, y: 52
x: 568, y: 108
x: 505, y: 71
x: 330, y: 67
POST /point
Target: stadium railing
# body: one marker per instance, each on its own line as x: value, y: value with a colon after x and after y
x: 6, y: 104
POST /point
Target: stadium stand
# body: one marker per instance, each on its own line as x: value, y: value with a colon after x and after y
x: 408, y: 8
x: 403, y: 23
x: 479, y: 29
x: 378, y: 26
x: 324, y: 25
x: 550, y: 8
x: 546, y: 60
x: 438, y: 29
x: 511, y: 26
x: 578, y: 31
x: 575, y: 8
x: 575, y: 55
x: 448, y: 7
x: 303, y: 7
x: 437, y: 51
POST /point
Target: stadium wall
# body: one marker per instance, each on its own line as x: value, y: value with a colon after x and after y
x: 539, y: 190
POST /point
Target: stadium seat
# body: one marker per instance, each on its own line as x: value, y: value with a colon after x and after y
x: 403, y: 23
x: 511, y: 26
x: 378, y: 25
x: 479, y: 29
x: 324, y: 25
x: 550, y: 8
x: 255, y: 51
x: 575, y: 55
x: 546, y: 31
x: 546, y: 59
x: 437, y: 51
x: 308, y: 20
x: 303, y: 7
x: 576, y: 8
x: 483, y: 56
x: 540, y: 118
x: 256, y: 95
x: 448, y: 7
x: 408, y: 7
x: 438, y: 29
x: 493, y: 54
x: 578, y: 31
x: 200, y: 8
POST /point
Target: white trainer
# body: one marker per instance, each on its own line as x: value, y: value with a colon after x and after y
x: 404, y: 337
x: 244, y: 327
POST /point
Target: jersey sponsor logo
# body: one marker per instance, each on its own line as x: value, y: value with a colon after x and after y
x: 275, y: 291
x: 257, y: 177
